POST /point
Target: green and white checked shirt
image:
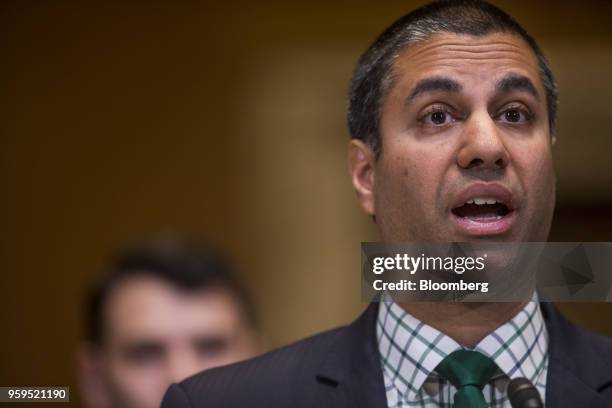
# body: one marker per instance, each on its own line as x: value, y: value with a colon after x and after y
x: 410, y: 350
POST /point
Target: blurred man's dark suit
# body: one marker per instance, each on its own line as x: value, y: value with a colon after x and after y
x: 341, y: 368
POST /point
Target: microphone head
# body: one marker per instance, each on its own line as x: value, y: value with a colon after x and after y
x: 522, y: 394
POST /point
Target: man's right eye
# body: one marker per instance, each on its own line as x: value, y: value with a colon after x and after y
x: 436, y: 116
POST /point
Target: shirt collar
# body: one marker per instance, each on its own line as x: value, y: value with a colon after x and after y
x: 410, y: 350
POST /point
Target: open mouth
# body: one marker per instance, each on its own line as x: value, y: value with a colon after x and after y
x: 482, y: 209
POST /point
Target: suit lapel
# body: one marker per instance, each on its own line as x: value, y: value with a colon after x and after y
x: 565, y: 389
x: 576, y: 370
x: 351, y: 375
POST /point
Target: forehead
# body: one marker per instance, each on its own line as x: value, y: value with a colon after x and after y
x: 141, y: 307
x: 466, y: 58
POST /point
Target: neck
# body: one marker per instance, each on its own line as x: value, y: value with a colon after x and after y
x: 466, y: 323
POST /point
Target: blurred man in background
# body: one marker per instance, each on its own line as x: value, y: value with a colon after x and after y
x: 161, y: 312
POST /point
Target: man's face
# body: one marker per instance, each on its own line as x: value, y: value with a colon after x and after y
x: 157, y: 335
x: 466, y: 145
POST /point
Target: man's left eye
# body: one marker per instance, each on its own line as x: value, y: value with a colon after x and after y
x: 515, y: 115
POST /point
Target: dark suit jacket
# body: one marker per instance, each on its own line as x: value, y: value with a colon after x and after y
x: 341, y: 368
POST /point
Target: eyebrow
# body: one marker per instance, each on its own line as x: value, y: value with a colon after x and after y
x: 506, y: 84
x: 513, y: 82
x: 432, y: 85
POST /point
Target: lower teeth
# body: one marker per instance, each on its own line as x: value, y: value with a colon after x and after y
x: 489, y: 218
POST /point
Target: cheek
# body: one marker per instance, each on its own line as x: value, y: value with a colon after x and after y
x: 408, y: 182
x: 537, y: 165
x: 539, y: 182
x: 138, y: 387
x: 420, y: 168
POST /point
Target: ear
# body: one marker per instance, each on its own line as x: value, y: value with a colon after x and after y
x: 362, y: 167
x: 91, y: 377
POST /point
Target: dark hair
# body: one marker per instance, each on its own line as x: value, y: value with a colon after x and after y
x: 185, y: 266
x: 372, y: 78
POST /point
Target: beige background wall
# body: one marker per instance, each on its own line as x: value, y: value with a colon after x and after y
x: 226, y: 119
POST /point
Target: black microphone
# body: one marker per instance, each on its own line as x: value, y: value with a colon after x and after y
x: 523, y: 394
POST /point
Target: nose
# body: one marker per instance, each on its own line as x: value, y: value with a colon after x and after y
x: 482, y: 147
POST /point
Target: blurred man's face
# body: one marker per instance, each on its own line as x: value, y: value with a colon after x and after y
x: 466, y: 145
x: 157, y: 335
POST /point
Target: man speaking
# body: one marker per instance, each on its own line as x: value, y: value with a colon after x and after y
x: 452, y: 115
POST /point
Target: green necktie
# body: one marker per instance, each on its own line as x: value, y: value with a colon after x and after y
x: 468, y: 371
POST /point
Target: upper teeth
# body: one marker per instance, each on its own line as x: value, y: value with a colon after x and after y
x: 482, y: 201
